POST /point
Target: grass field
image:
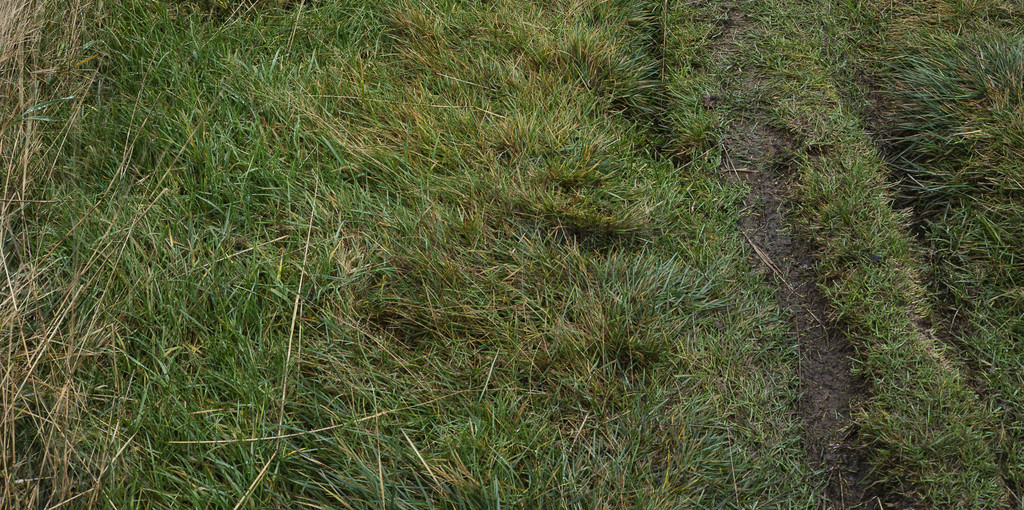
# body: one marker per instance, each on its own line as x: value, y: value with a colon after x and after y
x: 551, y: 254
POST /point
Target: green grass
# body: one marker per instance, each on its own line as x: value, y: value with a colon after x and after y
x: 926, y: 423
x: 343, y: 254
x: 399, y: 255
x: 927, y: 433
x: 955, y: 128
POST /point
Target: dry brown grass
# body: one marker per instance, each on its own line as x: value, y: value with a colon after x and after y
x: 39, y: 47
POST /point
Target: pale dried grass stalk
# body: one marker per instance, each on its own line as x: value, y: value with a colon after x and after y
x: 36, y: 403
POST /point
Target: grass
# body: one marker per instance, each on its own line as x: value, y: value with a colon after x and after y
x: 465, y: 255
x: 406, y: 255
x: 927, y: 435
x: 954, y: 130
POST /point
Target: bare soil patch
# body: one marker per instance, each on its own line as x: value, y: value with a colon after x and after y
x: 829, y: 389
x: 762, y: 157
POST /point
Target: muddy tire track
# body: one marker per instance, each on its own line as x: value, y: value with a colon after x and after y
x: 762, y: 157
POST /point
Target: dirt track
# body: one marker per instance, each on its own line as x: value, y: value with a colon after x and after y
x: 761, y: 157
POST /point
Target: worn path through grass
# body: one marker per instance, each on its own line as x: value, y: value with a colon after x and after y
x: 787, y: 108
x: 930, y: 438
x: 762, y: 157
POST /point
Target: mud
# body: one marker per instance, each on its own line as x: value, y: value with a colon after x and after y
x: 763, y: 158
x: 829, y: 390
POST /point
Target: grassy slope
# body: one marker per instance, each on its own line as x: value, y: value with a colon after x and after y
x: 433, y: 246
x: 457, y: 255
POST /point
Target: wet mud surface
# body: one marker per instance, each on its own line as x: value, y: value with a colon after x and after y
x: 762, y: 158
